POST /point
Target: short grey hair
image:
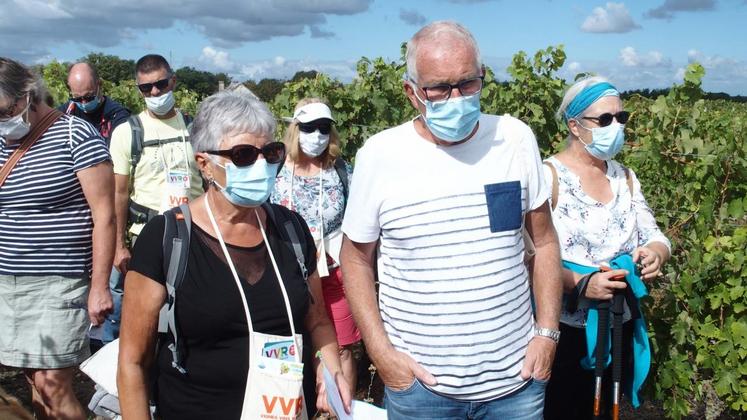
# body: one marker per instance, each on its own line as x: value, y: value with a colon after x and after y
x: 228, y: 113
x: 574, y: 90
x: 16, y: 80
x: 433, y: 31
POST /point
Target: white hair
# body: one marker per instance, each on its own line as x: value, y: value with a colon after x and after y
x: 574, y: 90
x: 435, y: 31
x: 229, y: 113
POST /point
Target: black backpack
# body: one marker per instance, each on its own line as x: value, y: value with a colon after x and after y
x: 138, y: 139
x: 176, y: 236
x: 342, y: 172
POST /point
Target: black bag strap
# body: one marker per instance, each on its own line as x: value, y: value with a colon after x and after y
x: 176, y: 237
x: 288, y: 229
x: 138, y: 139
x: 136, y: 144
x: 342, y: 172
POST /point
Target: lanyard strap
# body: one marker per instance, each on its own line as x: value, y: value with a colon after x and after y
x: 183, y: 129
x: 238, y: 281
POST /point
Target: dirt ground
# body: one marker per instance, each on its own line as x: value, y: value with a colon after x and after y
x: 14, y: 383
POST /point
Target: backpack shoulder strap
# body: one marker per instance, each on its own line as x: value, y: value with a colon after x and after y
x: 136, y: 145
x: 555, y: 185
x: 342, y: 172
x: 188, y: 119
x: 290, y: 231
x: 628, y: 179
x: 176, y: 236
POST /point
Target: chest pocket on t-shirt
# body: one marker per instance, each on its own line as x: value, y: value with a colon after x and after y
x: 504, y: 205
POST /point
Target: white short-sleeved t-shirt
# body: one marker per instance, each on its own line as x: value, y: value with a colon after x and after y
x: 454, y: 291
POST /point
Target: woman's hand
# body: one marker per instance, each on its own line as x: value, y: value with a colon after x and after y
x: 650, y: 260
x: 602, y: 286
x: 321, y: 392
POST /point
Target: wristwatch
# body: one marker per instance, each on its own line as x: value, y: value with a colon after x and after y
x: 553, y: 335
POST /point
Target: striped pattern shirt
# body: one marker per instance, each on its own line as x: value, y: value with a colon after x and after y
x: 45, y: 222
x: 454, y: 290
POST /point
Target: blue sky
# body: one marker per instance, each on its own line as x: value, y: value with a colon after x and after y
x: 637, y: 44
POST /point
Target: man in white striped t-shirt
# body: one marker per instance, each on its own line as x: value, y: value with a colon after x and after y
x: 446, y: 196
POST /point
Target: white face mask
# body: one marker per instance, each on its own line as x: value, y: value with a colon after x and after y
x: 15, y: 127
x: 161, y: 105
x: 313, y: 144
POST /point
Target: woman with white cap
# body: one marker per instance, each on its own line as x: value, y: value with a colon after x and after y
x: 605, y: 229
x: 314, y: 182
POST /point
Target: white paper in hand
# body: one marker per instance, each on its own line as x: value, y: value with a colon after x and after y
x: 360, y: 410
x: 333, y: 395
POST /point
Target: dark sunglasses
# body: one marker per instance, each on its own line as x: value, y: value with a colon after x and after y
x: 160, y: 84
x: 324, y: 126
x: 606, y: 119
x: 89, y: 98
x: 246, y: 154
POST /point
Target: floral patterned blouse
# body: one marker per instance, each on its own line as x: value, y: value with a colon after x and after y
x: 591, y: 232
x: 305, y: 197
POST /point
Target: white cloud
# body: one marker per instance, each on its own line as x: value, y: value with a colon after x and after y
x: 216, y: 60
x: 670, y: 7
x: 106, y: 23
x: 679, y: 75
x: 722, y: 74
x: 282, y: 68
x: 630, y: 58
x: 613, y: 18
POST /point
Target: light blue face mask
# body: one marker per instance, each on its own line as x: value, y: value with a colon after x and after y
x: 452, y: 120
x: 88, y: 107
x: 249, y: 186
x: 606, y: 142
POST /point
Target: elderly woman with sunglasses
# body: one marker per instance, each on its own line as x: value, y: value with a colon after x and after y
x: 242, y: 283
x: 602, y: 221
x: 314, y: 182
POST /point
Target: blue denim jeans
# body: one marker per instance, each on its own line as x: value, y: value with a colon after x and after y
x: 418, y: 402
x: 111, y: 325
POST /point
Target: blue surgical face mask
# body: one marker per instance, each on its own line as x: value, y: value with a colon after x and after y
x: 606, y: 142
x: 161, y: 105
x: 88, y: 107
x: 452, y: 120
x: 249, y: 186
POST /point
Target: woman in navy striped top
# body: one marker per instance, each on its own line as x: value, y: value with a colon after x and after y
x: 56, y: 240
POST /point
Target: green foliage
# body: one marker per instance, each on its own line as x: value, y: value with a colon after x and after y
x: 110, y: 67
x: 55, y: 77
x: 690, y: 155
x: 201, y: 82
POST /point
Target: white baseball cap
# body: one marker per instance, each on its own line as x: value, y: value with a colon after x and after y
x: 313, y: 112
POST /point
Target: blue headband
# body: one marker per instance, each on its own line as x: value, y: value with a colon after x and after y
x: 587, y: 97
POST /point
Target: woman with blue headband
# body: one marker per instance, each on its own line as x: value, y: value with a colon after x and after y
x: 607, y: 232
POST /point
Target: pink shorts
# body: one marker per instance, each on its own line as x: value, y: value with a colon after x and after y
x: 338, y: 308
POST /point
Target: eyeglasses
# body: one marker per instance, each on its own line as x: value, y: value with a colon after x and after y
x: 606, y: 119
x: 81, y: 99
x: 442, y: 91
x: 160, y: 84
x: 324, y: 126
x: 6, y: 115
x: 246, y: 154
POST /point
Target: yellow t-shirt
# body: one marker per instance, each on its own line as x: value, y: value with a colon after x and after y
x: 157, y: 162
